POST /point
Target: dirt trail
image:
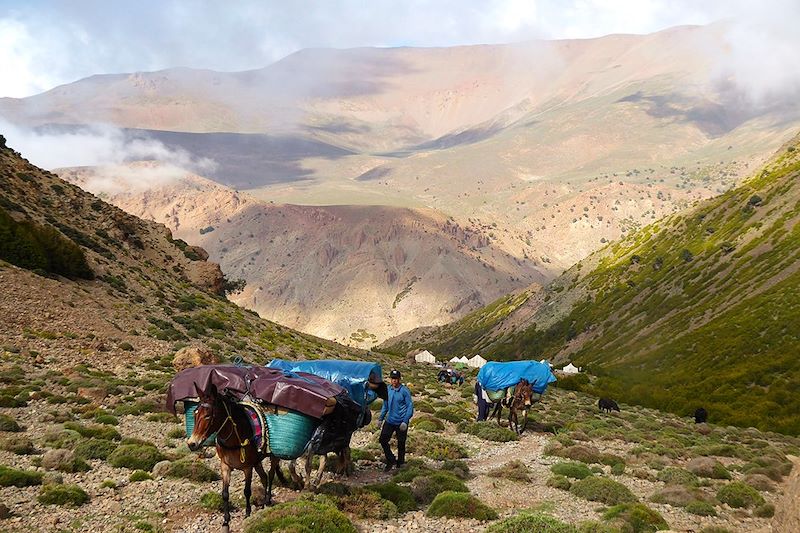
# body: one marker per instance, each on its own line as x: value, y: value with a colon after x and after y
x: 787, y: 512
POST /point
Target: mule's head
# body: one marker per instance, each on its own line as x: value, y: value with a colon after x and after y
x: 208, y: 418
x: 525, y: 392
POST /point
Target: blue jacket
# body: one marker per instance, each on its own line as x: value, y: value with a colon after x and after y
x: 399, y: 406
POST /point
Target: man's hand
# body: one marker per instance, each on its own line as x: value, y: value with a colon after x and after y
x: 380, y: 424
x: 403, y: 426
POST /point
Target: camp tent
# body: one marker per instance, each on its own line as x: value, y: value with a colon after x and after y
x: 476, y: 362
x: 570, y: 369
x: 463, y: 359
x: 455, y: 360
x: 425, y: 357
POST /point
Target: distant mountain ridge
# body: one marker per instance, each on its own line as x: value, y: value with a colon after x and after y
x: 697, y: 309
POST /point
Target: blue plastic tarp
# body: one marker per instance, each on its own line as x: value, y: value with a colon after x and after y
x: 497, y: 376
x: 352, y: 375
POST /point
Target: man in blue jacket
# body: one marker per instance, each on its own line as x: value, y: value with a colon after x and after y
x: 396, y: 412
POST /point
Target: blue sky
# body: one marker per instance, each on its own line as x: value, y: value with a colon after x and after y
x: 44, y: 43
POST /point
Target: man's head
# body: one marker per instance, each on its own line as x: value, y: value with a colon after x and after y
x: 394, y: 378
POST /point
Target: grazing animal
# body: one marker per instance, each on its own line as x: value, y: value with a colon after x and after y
x: 521, y: 401
x: 700, y: 416
x: 607, y: 405
x: 235, y: 445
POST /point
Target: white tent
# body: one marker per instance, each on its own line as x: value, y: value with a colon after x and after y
x: 570, y: 369
x: 455, y: 360
x: 463, y: 359
x: 425, y: 357
x: 476, y: 362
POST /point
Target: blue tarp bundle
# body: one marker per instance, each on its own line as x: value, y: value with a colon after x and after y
x: 352, y: 375
x: 497, y: 376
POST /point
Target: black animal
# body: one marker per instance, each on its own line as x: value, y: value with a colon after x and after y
x: 700, y: 416
x: 607, y: 405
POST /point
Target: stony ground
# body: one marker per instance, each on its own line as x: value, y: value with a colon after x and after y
x: 564, y: 425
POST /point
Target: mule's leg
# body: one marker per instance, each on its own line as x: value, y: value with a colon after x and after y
x: 263, y: 476
x: 524, y: 421
x: 226, y: 508
x: 274, y: 465
x: 296, y: 479
x: 309, y: 467
x: 248, y: 478
x: 323, y: 460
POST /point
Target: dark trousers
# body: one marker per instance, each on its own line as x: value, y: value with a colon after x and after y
x: 483, y: 405
x: 386, y: 434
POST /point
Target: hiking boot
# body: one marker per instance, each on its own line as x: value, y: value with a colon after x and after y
x: 400, y: 465
x: 388, y: 467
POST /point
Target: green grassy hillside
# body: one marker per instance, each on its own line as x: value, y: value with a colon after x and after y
x: 701, y: 308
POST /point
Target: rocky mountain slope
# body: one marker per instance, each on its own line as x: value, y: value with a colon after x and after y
x: 698, y: 308
x: 353, y: 274
x: 144, y: 295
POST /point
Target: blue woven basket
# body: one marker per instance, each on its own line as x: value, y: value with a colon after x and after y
x: 289, y: 433
x: 189, y: 409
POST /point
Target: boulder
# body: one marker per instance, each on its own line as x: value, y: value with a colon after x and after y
x: 205, y: 275
x: 191, y: 356
x: 59, y: 459
x: 161, y: 469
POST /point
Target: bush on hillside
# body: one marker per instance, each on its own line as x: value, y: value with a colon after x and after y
x: 454, y: 414
x: 135, y: 457
x: 488, y: 431
x: 400, y: 496
x: 435, y: 447
x: 601, y: 489
x: 738, y: 494
x: 413, y: 468
x: 300, y: 516
x: 700, y: 508
x: 513, y: 470
x: 457, y: 467
x: 425, y: 488
x: 191, y: 469
x: 366, y: 504
x: 531, y: 521
x: 678, y: 476
x: 68, y: 495
x: 11, y: 477
x: 18, y: 444
x: 95, y: 449
x: 8, y: 423
x: 139, y: 475
x: 636, y: 518
x: 572, y: 470
x: 460, y: 505
x: 427, y: 423
x: 559, y: 482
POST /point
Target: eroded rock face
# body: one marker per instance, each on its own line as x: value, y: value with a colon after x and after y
x: 205, y: 275
x: 191, y: 356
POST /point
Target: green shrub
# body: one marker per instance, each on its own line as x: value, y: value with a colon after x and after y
x: 135, y: 457
x: 677, y: 476
x: 95, y: 449
x: 559, y: 482
x: 423, y: 407
x: 579, y: 452
x: 457, y: 467
x: 166, y: 418
x: 488, y: 431
x: 531, y: 521
x: 601, y: 489
x: 108, y: 484
x: 357, y: 454
x: 300, y: 516
x: 460, y: 505
x: 18, y: 444
x: 110, y: 420
x: 7, y: 423
x: 400, y: 496
x: 738, y: 494
x: 637, y: 517
x: 766, y: 510
x: 211, y: 501
x: 61, y: 438
x: 367, y: 504
x: 192, y: 469
x: 701, y: 508
x: 428, y: 423
x: 69, y: 495
x: 412, y: 469
x: 97, y: 431
x: 425, y: 488
x: 715, y: 529
x: 454, y: 414
x: 436, y: 447
x: 573, y: 470
x: 139, y: 475
x: 178, y: 433
x: 11, y: 477
x: 514, y: 470
x: 139, y: 408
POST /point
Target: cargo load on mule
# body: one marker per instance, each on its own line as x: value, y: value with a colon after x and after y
x: 284, y: 408
x: 516, y: 385
x: 363, y: 382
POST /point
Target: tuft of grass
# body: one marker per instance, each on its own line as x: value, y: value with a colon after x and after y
x: 135, y: 457
x: 738, y: 494
x: 97, y: 431
x: 531, y: 521
x: 488, y: 431
x: 460, y: 505
x: 367, y: 504
x: 139, y: 475
x: 701, y: 508
x: 300, y: 515
x: 571, y: 470
x: 425, y: 488
x: 95, y: 449
x: 11, y: 477
x: 191, y: 469
x: 400, y: 496
x: 636, y: 517
x: 19, y: 445
x: 601, y: 489
x: 7, y: 423
x: 454, y: 414
x: 436, y: 447
x: 66, y: 495
x: 559, y: 482
x: 211, y: 501
x: 513, y: 470
x: 677, y: 476
x: 428, y: 423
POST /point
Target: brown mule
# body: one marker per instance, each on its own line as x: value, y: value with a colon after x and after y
x: 235, y: 445
x: 521, y: 401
